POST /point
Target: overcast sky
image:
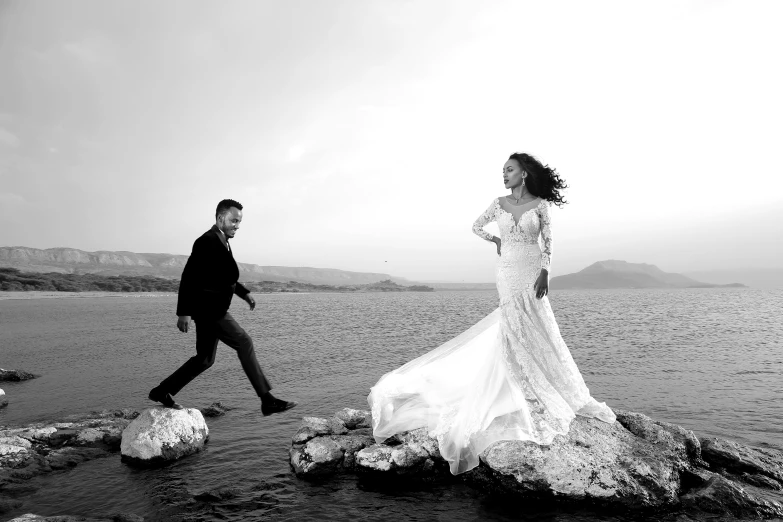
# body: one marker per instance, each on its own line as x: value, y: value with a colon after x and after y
x: 368, y: 135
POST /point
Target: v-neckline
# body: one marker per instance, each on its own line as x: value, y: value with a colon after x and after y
x: 516, y: 221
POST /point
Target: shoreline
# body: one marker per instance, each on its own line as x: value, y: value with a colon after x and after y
x: 47, y: 294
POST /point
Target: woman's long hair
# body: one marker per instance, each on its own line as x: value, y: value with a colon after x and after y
x: 542, y: 181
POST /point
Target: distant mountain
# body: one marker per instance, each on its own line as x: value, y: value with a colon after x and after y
x: 755, y: 277
x: 621, y: 274
x: 73, y: 261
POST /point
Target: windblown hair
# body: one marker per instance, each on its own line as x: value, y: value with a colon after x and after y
x: 542, y: 181
x: 225, y: 205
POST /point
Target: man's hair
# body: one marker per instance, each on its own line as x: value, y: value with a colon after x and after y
x: 225, y: 205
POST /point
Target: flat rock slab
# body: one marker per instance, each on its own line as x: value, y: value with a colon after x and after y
x: 636, y: 463
x: 15, y: 375
x: 738, y: 459
x: 159, y: 435
x: 28, y: 451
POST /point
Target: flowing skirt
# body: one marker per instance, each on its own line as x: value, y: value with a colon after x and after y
x: 508, y: 377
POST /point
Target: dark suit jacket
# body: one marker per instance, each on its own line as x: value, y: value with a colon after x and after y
x: 209, y: 279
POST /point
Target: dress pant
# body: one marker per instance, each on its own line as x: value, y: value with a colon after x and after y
x: 208, y: 333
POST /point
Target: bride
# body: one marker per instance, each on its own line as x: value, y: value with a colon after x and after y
x: 510, y: 376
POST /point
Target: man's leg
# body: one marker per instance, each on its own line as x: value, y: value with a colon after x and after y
x: 235, y: 336
x: 206, y: 346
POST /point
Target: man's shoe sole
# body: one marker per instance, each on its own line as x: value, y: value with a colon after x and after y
x: 174, y: 406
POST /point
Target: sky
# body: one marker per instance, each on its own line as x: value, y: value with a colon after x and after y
x: 369, y: 135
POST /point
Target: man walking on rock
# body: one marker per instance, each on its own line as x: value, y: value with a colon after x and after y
x: 209, y: 281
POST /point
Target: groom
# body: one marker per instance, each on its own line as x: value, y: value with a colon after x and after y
x: 208, y: 283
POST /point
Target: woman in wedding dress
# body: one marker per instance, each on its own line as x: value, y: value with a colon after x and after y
x: 510, y: 376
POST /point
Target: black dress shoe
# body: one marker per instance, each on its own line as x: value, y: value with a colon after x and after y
x: 276, y: 406
x: 164, y: 398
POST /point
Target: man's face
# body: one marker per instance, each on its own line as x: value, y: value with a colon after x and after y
x: 229, y: 222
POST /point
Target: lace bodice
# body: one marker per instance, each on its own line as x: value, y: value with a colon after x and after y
x: 532, y: 223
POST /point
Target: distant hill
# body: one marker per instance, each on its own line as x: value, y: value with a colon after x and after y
x: 106, y: 263
x: 621, y: 274
x: 461, y: 286
x: 755, y: 277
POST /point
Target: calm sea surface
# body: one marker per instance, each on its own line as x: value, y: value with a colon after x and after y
x: 708, y: 359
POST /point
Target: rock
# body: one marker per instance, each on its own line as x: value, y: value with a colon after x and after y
x: 122, y: 517
x: 13, y: 445
x: 615, y: 468
x: 3, y: 400
x: 69, y: 457
x: 635, y: 463
x: 1, y: 392
x: 89, y: 436
x: 681, y: 444
x: 353, y: 419
x: 728, y: 455
x: 316, y: 426
x: 376, y: 458
x: 216, y: 409
x: 38, y: 434
x: 126, y: 517
x: 412, y: 453
x: 217, y: 494
x: 63, y: 436
x: 351, y: 443
x: 760, y: 481
x: 721, y: 496
x: 15, y: 375
x: 319, y: 457
x: 161, y: 435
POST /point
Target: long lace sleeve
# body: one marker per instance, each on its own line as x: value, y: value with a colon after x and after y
x: 546, y: 235
x: 483, y: 220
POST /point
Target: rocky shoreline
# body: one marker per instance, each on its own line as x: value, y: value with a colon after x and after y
x: 636, y: 464
x: 29, y: 451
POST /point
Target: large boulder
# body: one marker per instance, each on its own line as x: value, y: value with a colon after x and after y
x: 160, y: 435
x: 3, y: 400
x: 595, y: 462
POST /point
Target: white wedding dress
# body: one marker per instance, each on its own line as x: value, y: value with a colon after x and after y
x: 509, y: 377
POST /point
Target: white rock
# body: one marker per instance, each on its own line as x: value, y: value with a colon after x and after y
x: 164, y: 434
x: 14, y: 444
x: 1, y: 392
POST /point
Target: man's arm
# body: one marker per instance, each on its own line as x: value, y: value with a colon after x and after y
x: 188, y: 284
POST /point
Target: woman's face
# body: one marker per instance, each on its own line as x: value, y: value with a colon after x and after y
x: 513, y: 175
